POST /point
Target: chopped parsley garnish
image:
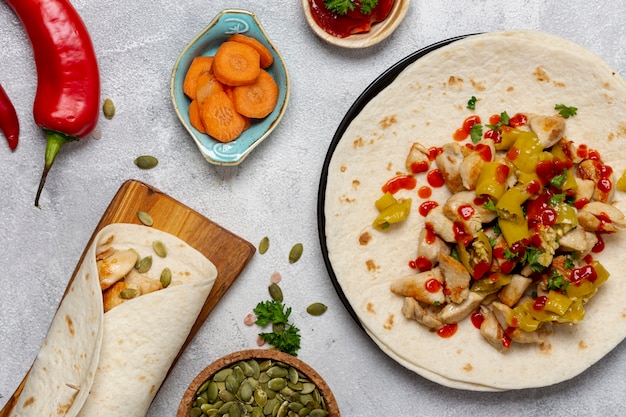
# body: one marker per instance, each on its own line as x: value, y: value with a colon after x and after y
x: 557, y: 282
x: 566, y: 111
x: 489, y: 205
x: 471, y: 104
x: 509, y: 255
x: 559, y: 180
x: 531, y: 257
x: 476, y: 132
x: 569, y: 263
x: 284, y: 336
x: 504, y: 121
x: 344, y: 6
x: 557, y: 198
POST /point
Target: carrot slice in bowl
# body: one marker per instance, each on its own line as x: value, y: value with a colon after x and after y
x: 220, y: 119
x: 265, y: 56
x: 194, y: 116
x: 236, y: 64
x: 199, y: 65
x: 257, y: 100
x: 207, y: 85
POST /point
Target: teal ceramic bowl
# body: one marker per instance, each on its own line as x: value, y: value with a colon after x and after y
x: 225, y: 24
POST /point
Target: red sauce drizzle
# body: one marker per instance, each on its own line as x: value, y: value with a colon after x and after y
x: 540, y: 303
x: 432, y: 285
x: 502, y: 173
x: 540, y: 212
x: 579, y: 204
x: 430, y: 237
x: 477, y: 318
x: 465, y: 211
x: 480, y: 269
x: 435, y: 178
x: 395, y: 184
x: 584, y: 272
x: 518, y: 120
x: 423, y: 264
x: 424, y: 192
x: 434, y: 152
x: 512, y: 154
x: 599, y: 246
x: 448, y: 330
x: 418, y: 167
x: 463, y: 132
x: 460, y: 235
x: 426, y: 207
x: 352, y: 22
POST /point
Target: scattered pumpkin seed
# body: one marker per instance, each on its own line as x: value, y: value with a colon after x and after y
x: 108, y: 108
x: 275, y: 292
x: 295, y: 253
x: 128, y: 293
x: 316, y: 309
x: 146, y: 162
x: 264, y: 245
x: 166, y: 277
x: 144, y: 264
x: 145, y: 218
x: 159, y: 248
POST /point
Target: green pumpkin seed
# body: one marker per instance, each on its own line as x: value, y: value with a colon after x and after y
x: 264, y: 245
x: 316, y: 309
x: 318, y: 412
x: 128, y: 293
x: 275, y: 292
x: 108, y: 108
x: 276, y: 384
x: 145, y: 218
x: 245, y: 391
x: 212, y: 392
x: 195, y: 412
x: 257, y: 412
x: 304, y: 411
x: 144, y: 264
x: 146, y: 161
x: 295, y: 253
x: 166, y: 277
x: 159, y: 248
x: 277, y: 372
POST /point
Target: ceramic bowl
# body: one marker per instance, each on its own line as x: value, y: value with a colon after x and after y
x: 378, y: 32
x: 226, y: 23
x: 259, y: 355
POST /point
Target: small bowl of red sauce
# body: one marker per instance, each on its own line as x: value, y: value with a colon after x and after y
x: 355, y: 29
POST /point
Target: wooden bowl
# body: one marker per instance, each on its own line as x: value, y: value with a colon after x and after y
x: 378, y: 32
x: 260, y: 354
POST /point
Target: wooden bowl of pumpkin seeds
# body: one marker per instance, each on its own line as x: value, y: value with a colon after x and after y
x: 258, y: 383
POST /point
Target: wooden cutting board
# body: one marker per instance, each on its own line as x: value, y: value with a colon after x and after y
x: 227, y: 251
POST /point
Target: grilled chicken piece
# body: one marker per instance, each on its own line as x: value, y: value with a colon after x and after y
x: 114, y: 266
x: 549, y: 129
x: 492, y: 331
x: 412, y: 310
x: 473, y: 163
x: 439, y: 223
x: 111, y: 296
x: 597, y: 216
x: 592, y: 170
x: 454, y: 313
x: 146, y: 285
x: 465, y: 199
x: 449, y: 163
x: 456, y: 277
x: 430, y: 245
x: 512, y: 292
x: 419, y: 287
x: 417, y: 159
x: 578, y: 240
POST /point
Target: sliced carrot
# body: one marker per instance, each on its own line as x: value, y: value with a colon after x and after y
x: 199, y: 65
x: 236, y: 64
x: 220, y: 118
x: 266, y: 57
x: 257, y: 100
x: 194, y: 116
x: 207, y: 85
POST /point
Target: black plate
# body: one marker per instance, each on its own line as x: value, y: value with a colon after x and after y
x: 379, y: 84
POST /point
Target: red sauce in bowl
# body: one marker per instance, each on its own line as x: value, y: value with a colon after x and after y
x: 352, y: 22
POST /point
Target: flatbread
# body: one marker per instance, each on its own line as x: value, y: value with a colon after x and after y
x: 103, y: 364
x: 520, y: 71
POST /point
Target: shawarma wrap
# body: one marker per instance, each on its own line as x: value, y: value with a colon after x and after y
x: 520, y: 71
x: 94, y: 363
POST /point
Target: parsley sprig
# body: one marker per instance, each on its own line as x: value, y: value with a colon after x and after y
x: 344, y: 6
x: 284, y: 336
x: 566, y: 111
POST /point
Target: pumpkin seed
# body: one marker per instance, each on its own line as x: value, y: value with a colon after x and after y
x: 277, y: 372
x: 264, y: 245
x: 316, y: 309
x: 295, y: 253
x: 146, y: 161
x: 159, y: 248
x: 108, y: 108
x: 276, y: 384
x: 145, y: 218
x: 292, y: 373
x: 128, y: 293
x: 195, y: 412
x: 166, y: 277
x: 275, y: 292
x: 144, y: 264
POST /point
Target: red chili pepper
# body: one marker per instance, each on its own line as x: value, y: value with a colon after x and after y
x: 9, y: 123
x: 67, y: 102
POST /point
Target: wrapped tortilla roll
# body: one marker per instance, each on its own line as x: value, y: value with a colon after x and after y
x: 103, y: 364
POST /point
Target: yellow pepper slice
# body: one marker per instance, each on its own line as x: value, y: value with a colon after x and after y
x: 508, y: 136
x: 526, y: 149
x: 509, y: 206
x: 385, y: 201
x: 393, y: 214
x: 557, y: 303
x: 491, y: 284
x: 492, y: 179
x: 513, y: 232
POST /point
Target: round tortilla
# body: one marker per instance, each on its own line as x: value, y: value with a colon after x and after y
x: 521, y: 71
